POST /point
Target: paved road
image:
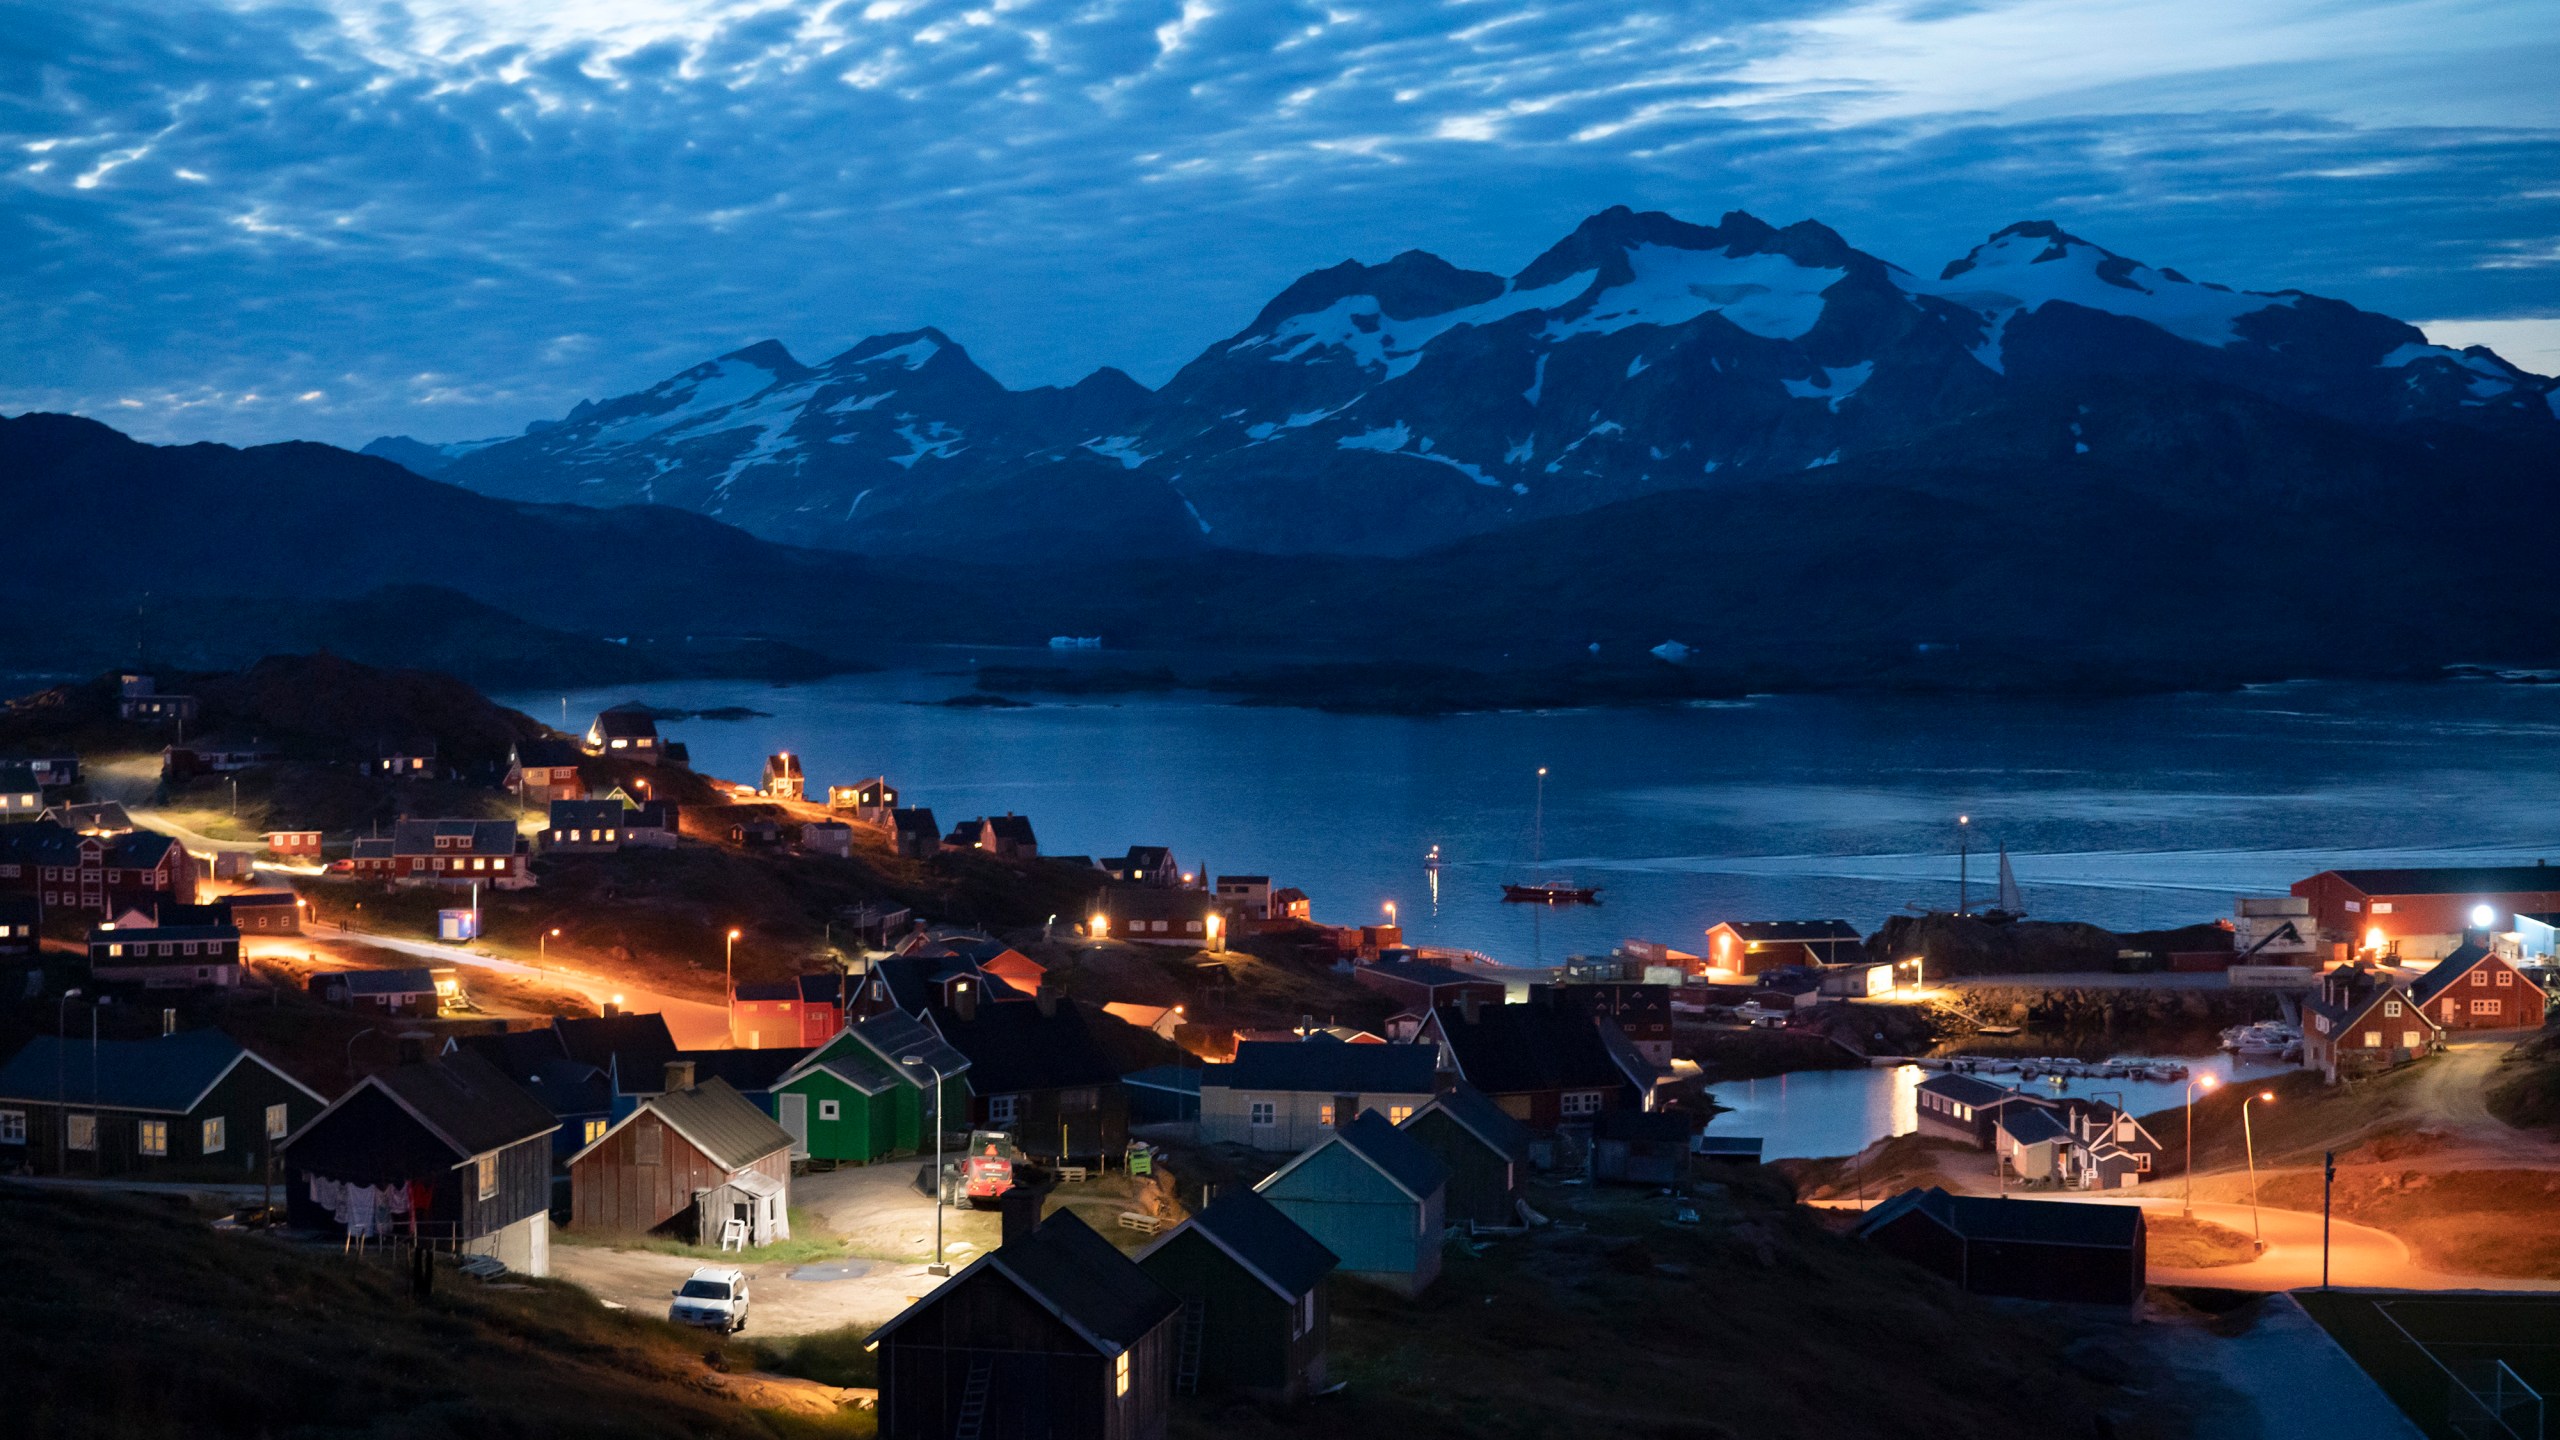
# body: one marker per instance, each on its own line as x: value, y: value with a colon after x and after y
x: 2358, y: 1254
x: 695, y: 1024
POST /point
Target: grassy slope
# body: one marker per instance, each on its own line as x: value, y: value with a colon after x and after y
x: 2526, y: 1093
x: 122, y: 1321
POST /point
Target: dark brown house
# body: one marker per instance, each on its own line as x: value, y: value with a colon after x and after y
x: 449, y: 1150
x: 2018, y: 1249
x: 916, y: 834
x: 1544, y: 1065
x: 193, y: 1105
x: 691, y: 1161
x: 1485, y: 1151
x: 1253, y: 1293
x: 1036, y: 1070
x: 1053, y: 1336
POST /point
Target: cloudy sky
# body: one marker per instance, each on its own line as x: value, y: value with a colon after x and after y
x: 339, y: 218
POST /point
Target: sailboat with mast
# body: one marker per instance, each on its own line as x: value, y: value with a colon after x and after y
x: 1541, y: 891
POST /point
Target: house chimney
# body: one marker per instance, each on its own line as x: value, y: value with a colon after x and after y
x: 1046, y: 998
x: 1020, y: 1207
x: 964, y: 1000
x: 1467, y: 1006
x: 611, y: 1009
x: 679, y: 1075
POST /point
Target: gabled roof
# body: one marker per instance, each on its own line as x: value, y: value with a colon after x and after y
x: 1075, y: 1275
x: 463, y: 1101
x: 534, y: 1059
x: 1768, y: 932
x: 2453, y: 880
x: 1966, y: 1090
x: 2042, y: 1222
x: 1012, y: 1047
x: 893, y: 1037
x: 2469, y: 957
x: 407, y: 981
x: 1267, y: 1244
x: 915, y: 819
x: 474, y: 837
x: 95, y: 815
x: 1011, y: 829
x: 585, y: 814
x: 372, y: 847
x: 1383, y: 1148
x: 641, y: 1042
x: 1509, y: 1049
x: 2031, y: 1125
x: 626, y: 722
x: 19, y: 780
x: 1429, y: 976
x: 548, y: 755
x: 1481, y: 1118
x: 1339, y: 1069
x: 712, y: 1117
x: 104, y: 934
x: 168, y: 1075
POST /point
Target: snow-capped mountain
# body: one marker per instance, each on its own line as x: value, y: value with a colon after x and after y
x: 1390, y: 408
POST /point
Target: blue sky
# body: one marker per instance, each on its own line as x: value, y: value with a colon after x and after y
x: 338, y: 218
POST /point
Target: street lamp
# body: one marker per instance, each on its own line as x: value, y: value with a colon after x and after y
x: 729, y: 969
x: 939, y: 1266
x: 2187, y: 1202
x: 1391, y: 912
x: 543, y: 942
x: 2250, y: 1141
x: 351, y: 1051
x: 1964, y: 864
x: 61, y: 1082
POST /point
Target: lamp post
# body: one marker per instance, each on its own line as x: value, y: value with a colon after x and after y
x: 61, y: 1082
x: 938, y: 1267
x: 543, y: 943
x: 1391, y: 913
x: 1964, y: 864
x: 729, y: 969
x: 2187, y: 1202
x: 351, y: 1051
x: 2251, y: 1143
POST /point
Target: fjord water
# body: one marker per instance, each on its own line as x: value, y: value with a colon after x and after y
x: 2128, y: 813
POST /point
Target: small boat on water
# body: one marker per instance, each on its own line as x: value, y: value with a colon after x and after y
x: 1432, y: 860
x: 2264, y: 1037
x: 1542, y: 894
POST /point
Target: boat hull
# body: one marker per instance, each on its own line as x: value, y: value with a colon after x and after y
x: 1551, y: 894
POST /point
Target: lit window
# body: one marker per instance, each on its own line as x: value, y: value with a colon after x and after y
x: 2373, y: 1039
x: 84, y: 1132
x: 1398, y: 1114
x: 151, y: 1137
x: 1264, y: 1112
x: 488, y: 1167
x: 1324, y: 1114
x: 1120, y: 1374
x: 217, y: 1134
x: 594, y: 1131
x: 278, y: 1121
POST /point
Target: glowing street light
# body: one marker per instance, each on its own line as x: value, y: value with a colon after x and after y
x: 1391, y: 912
x: 729, y: 971
x: 543, y: 943
x: 2187, y: 1202
x: 2483, y: 916
x: 2251, y: 1142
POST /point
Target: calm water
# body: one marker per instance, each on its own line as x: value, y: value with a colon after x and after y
x: 1839, y: 1112
x: 2126, y: 813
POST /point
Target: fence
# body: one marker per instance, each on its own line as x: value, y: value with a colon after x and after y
x: 2484, y: 1398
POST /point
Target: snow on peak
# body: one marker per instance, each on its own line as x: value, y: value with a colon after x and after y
x: 1767, y: 294
x: 1123, y: 448
x: 2027, y: 266
x: 1359, y: 325
x: 1834, y: 384
x: 914, y: 353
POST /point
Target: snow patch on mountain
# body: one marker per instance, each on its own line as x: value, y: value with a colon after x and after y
x: 852, y: 404
x: 1392, y: 437
x: 1123, y: 448
x: 913, y: 354
x: 698, y: 393
x: 1768, y: 295
x: 1537, y: 380
x: 1357, y: 324
x: 936, y: 439
x: 2026, y: 267
x: 1833, y: 384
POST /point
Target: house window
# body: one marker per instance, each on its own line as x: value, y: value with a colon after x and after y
x: 278, y: 1121
x: 1079, y: 1100
x: 2506, y: 977
x: 2389, y: 1007
x: 1003, y: 1110
x: 217, y: 1134
x: 1324, y: 1115
x: 1398, y: 1114
x: 2479, y: 977
x: 83, y: 1132
x: 1264, y: 1112
x: 593, y: 1132
x: 1582, y: 1102
x: 830, y: 1109
x: 151, y: 1137
x: 2373, y: 1039
x: 487, y: 1165
x: 1120, y: 1374
x: 2485, y: 1007
x: 2409, y: 1040
x: 13, y: 1127
x: 2380, y: 907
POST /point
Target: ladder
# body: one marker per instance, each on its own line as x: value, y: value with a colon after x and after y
x: 973, y: 1400
x: 1186, y: 1375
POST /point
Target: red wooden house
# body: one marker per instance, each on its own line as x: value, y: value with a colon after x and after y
x: 2476, y: 988
x: 2364, y: 1021
x: 101, y: 875
x: 2420, y: 913
x: 803, y: 1011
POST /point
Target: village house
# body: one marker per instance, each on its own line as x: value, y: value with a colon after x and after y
x: 632, y: 1051
x: 878, y: 1089
x: 1053, y: 1333
x: 1965, y: 1109
x: 140, y: 699
x: 2423, y: 913
x: 96, y: 817
x: 192, y: 1105
x: 371, y: 857
x: 1146, y: 915
x: 1485, y: 1152
x: 625, y: 732
x: 869, y: 801
x: 1641, y: 1012
x: 1371, y: 1195
x: 1747, y: 947
x: 2363, y: 1021
x: 1151, y: 865
x: 650, y: 824
x: 21, y: 925
x: 541, y: 771
x: 407, y: 991
x: 578, y: 1095
x: 52, y: 772
x: 583, y: 827
x: 916, y: 984
x: 783, y: 777
x: 99, y: 875
x: 1247, y: 897
x: 166, y: 957
x: 1422, y: 988
x: 264, y: 912
x: 458, y: 852
x: 1285, y: 1097
x: 915, y: 833
x: 1543, y: 1065
x: 21, y: 798
x: 698, y: 1161
x: 757, y: 832
x: 448, y: 1150
x: 1006, y: 837
x: 1641, y: 1147
x: 406, y: 760
x: 1252, y: 1287
x: 1162, y: 1021
x: 294, y: 844
x: 1289, y: 903
x: 215, y: 755
x: 2049, y: 1250
x: 1036, y: 1070
x: 988, y: 955
x: 2476, y: 988
x: 2061, y: 1142
x: 827, y: 837
x: 802, y: 1011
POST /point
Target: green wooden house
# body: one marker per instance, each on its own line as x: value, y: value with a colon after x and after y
x: 856, y: 1098
x: 1485, y: 1151
x: 196, y: 1105
x: 1373, y: 1196
x: 1252, y: 1287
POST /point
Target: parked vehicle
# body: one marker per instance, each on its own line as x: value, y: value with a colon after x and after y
x: 714, y: 1297
x: 982, y: 1173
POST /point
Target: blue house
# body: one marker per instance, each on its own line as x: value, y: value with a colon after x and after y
x: 1373, y: 1196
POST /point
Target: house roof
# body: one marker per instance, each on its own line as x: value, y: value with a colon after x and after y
x: 2031, y: 1124
x: 1429, y: 976
x: 261, y: 900
x: 547, y: 754
x: 1181, y: 1079
x: 1481, y: 1118
x: 1012, y: 1047
x: 1793, y: 931
x: 464, y: 1101
x: 406, y: 981
x: 2043, y: 1222
x: 471, y: 837
x: 894, y: 1037
x: 169, y: 1074
x: 2452, y: 880
x: 585, y: 814
x: 1965, y: 1090
x: 913, y: 820
x: 106, y: 934
x: 712, y: 1117
x: 95, y: 815
x: 372, y: 847
x: 1012, y: 829
x: 751, y: 1072
x: 1148, y: 902
x: 640, y: 1041
x: 1338, y: 1069
x: 626, y: 722
x: 1074, y: 1274
x: 534, y: 1060
x: 1508, y: 1049
x: 2470, y: 956
x: 1384, y: 1148
x: 1253, y: 1232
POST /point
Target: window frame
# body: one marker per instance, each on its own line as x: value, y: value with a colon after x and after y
x: 80, y: 1132
x: 13, y: 1127
x: 151, y: 1139
x: 486, y: 1167
x: 1262, y: 1114
x: 214, y: 1134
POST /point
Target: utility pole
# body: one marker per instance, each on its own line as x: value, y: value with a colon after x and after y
x: 1964, y: 864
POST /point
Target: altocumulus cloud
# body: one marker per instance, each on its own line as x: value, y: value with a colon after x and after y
x: 447, y: 217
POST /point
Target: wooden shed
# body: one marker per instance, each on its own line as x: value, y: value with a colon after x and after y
x: 1371, y: 1195
x: 855, y: 1099
x: 699, y: 1161
x: 2020, y: 1249
x: 1053, y: 1336
x: 1251, y: 1284
x: 1640, y: 1147
x: 1485, y: 1151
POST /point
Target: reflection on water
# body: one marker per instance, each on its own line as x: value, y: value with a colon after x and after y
x: 1814, y: 1113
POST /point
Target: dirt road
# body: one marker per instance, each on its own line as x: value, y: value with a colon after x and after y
x: 695, y: 1024
x: 784, y: 1299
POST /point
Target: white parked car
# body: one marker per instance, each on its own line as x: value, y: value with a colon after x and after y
x: 714, y: 1298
